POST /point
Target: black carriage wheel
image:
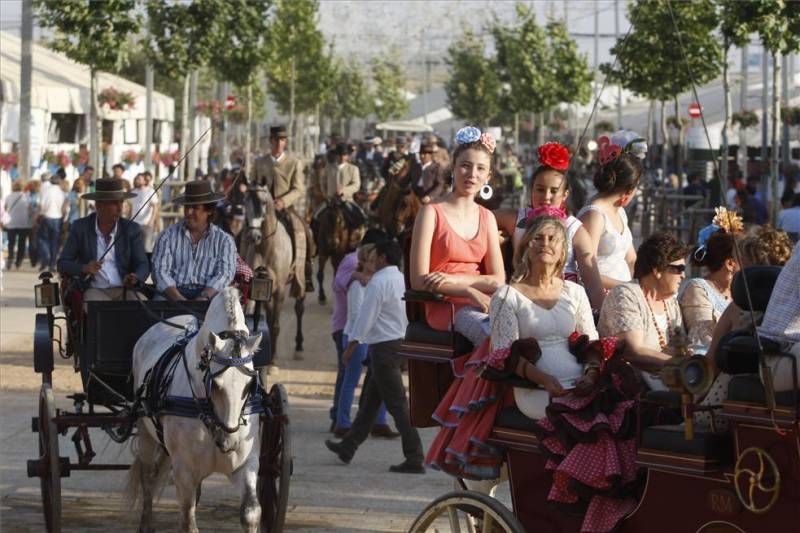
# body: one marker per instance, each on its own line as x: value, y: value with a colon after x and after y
x: 466, y: 511
x: 275, y: 467
x: 48, y: 455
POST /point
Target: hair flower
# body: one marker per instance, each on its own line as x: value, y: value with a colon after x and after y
x: 487, y: 140
x: 554, y: 155
x: 543, y: 211
x: 468, y: 135
x: 607, y: 152
x: 727, y: 220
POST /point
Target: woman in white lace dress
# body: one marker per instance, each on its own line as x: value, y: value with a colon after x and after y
x: 540, y: 305
x: 604, y: 218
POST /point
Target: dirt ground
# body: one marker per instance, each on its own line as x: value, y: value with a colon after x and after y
x: 325, y: 495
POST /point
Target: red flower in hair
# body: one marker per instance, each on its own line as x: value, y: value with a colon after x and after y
x: 554, y: 155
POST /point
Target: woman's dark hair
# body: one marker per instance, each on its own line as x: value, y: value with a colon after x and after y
x: 541, y: 169
x: 716, y: 251
x: 619, y: 176
x: 477, y: 145
x: 656, y: 252
x: 391, y: 250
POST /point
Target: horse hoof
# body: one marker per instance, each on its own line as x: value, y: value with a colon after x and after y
x: 273, y: 370
x: 298, y: 356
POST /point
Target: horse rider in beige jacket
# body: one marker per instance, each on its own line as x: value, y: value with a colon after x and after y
x: 282, y: 174
x: 342, y: 178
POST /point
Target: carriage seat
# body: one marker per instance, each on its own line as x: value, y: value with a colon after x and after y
x: 706, y: 443
x: 422, y: 333
x: 748, y: 388
x: 512, y: 418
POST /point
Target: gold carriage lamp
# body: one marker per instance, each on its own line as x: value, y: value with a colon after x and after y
x: 688, y: 375
x: 46, y: 292
x: 261, y: 286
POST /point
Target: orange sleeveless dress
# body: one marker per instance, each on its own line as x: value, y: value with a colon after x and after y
x: 452, y: 254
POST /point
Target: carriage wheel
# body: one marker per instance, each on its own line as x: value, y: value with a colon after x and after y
x: 275, y: 468
x: 466, y: 511
x: 50, y: 477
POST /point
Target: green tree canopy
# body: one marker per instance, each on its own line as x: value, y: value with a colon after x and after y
x: 650, y: 62
x: 237, y: 48
x: 299, y: 71
x: 473, y: 90
x: 349, y: 97
x: 181, y: 36
x: 91, y: 32
x: 389, y: 98
x: 571, y: 77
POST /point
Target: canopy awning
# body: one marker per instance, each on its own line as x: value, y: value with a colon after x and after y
x: 60, y: 85
x: 411, y: 126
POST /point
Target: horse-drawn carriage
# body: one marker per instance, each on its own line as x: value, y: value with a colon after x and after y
x: 100, y: 338
x: 694, y: 480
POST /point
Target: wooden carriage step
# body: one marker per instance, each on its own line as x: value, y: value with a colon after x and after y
x: 435, y: 353
x: 680, y: 463
x: 754, y: 413
x: 514, y: 439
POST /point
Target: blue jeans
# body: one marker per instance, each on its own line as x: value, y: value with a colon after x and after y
x: 350, y: 379
x: 337, y: 341
x: 49, y: 239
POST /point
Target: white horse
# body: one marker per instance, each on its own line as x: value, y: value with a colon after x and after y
x: 218, y: 361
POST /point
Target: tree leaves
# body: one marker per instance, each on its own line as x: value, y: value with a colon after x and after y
x: 390, y: 98
x: 473, y: 89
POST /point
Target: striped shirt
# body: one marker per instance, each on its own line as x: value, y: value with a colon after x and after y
x: 177, y: 262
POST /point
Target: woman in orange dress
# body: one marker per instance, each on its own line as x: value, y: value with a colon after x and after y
x: 455, y: 248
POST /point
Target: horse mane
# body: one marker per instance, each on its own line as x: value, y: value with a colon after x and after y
x: 224, y: 313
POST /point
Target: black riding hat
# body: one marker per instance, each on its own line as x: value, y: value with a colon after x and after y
x: 198, y: 193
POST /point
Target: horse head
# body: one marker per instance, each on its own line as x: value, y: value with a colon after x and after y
x: 224, y: 369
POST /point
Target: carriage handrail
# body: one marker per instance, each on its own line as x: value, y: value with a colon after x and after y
x: 412, y: 295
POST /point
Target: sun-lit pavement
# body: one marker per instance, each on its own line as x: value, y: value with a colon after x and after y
x: 324, y: 496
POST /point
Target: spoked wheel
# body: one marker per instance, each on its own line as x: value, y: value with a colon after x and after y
x: 275, y: 468
x: 466, y: 511
x: 49, y: 462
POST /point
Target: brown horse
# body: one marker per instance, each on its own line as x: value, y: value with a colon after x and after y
x: 271, y: 247
x: 397, y: 205
x: 335, y: 239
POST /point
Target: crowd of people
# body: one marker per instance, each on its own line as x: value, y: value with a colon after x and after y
x: 554, y: 298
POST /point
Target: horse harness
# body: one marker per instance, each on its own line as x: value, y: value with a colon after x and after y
x: 156, y: 402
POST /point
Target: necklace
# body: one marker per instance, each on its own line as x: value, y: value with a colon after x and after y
x: 662, y: 341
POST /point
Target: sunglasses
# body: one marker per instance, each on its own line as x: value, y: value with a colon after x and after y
x: 676, y: 269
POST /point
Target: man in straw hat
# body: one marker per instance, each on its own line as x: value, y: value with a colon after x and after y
x: 124, y: 265
x: 194, y: 259
x: 282, y: 175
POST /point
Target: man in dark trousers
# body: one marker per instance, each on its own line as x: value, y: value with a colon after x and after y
x: 103, y: 250
x: 381, y: 323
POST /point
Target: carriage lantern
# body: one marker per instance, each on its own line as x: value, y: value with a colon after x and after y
x: 261, y: 286
x: 46, y: 293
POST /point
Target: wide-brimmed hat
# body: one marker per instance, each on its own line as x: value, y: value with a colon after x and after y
x: 198, y: 193
x: 108, y: 189
x: 278, y: 132
x: 428, y: 148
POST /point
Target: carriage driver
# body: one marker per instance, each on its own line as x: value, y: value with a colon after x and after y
x: 122, y: 267
x: 282, y: 174
x: 194, y: 259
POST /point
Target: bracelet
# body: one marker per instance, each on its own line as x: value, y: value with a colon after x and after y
x: 591, y: 366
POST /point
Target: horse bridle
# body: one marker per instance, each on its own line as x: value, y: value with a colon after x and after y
x: 209, y: 416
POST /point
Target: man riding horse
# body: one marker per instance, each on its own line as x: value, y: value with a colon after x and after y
x: 281, y: 174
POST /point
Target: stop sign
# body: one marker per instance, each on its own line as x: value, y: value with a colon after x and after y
x: 695, y: 110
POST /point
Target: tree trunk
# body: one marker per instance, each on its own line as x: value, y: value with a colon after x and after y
x: 679, y: 145
x: 193, y: 133
x: 148, y: 118
x: 664, y: 141
x: 224, y: 152
x: 248, y: 149
x: 95, y: 128
x: 726, y: 88
x: 26, y: 77
x: 540, y: 129
x: 650, y: 133
x: 185, y: 123
x: 292, y: 80
x: 775, y: 201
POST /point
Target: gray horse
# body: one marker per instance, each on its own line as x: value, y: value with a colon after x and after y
x: 266, y: 243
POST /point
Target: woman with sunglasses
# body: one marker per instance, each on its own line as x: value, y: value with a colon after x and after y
x: 644, y: 312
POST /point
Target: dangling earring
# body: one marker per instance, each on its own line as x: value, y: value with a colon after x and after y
x: 486, y: 192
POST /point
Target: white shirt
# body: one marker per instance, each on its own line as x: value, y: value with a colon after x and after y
x: 108, y: 275
x: 382, y: 316
x: 355, y: 298
x: 276, y: 159
x: 789, y: 220
x: 52, y: 204
x: 145, y: 217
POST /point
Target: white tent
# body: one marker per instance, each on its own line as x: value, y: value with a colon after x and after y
x: 62, y: 86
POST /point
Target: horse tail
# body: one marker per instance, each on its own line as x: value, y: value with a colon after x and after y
x: 150, y: 460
